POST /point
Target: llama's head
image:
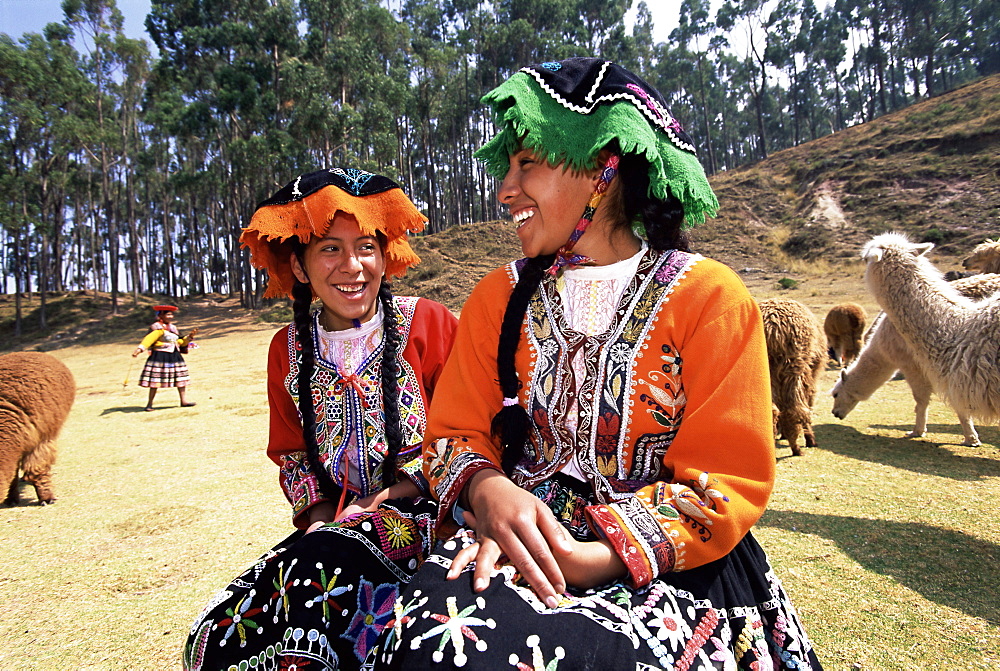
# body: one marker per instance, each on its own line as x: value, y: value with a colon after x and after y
x: 891, y: 256
x: 843, y: 400
x: 893, y: 244
x: 985, y: 258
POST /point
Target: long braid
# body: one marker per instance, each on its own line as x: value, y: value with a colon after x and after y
x: 511, y: 424
x: 302, y: 295
x: 390, y: 383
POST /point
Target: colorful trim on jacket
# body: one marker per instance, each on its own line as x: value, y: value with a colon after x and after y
x: 342, y: 413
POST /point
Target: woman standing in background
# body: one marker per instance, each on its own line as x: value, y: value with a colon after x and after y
x: 165, y: 366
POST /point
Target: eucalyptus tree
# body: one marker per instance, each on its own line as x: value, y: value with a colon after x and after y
x: 129, y: 88
x: 932, y: 28
x: 827, y: 39
x: 98, y: 24
x: 635, y: 51
x: 221, y: 64
x: 355, y: 84
x: 983, y: 36
x: 20, y: 118
x: 867, y: 21
x: 434, y: 67
x: 693, y: 35
x: 751, y: 16
x: 598, y: 24
x: 43, y: 92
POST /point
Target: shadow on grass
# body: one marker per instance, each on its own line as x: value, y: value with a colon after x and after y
x: 26, y: 497
x: 987, y: 434
x: 913, y: 454
x: 125, y: 408
x: 945, y: 566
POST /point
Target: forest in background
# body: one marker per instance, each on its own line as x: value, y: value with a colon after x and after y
x: 127, y: 173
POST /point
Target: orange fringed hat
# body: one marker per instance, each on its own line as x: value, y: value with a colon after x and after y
x: 306, y: 207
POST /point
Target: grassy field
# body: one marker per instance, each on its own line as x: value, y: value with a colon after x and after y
x: 890, y: 547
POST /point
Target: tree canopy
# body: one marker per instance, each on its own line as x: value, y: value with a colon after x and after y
x: 128, y: 172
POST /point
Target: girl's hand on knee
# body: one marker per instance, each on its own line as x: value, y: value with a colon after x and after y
x: 511, y: 521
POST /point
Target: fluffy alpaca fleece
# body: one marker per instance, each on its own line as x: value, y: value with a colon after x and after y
x: 955, y: 339
x: 985, y: 258
x: 844, y: 325
x: 36, y: 394
x: 796, y: 354
x: 885, y: 352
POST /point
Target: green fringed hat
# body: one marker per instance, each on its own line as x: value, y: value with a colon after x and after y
x: 567, y: 111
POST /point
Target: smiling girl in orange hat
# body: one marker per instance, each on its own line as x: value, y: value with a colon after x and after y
x: 348, y: 386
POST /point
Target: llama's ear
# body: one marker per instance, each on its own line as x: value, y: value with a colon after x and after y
x: 922, y: 249
x: 872, y: 252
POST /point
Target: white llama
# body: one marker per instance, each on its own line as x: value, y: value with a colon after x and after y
x: 885, y: 351
x: 956, y: 339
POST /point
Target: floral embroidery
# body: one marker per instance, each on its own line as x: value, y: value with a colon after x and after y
x: 664, y: 623
x: 239, y: 619
x: 606, y: 446
x: 456, y: 626
x: 401, y: 617
x: 293, y: 662
x: 328, y: 590
x: 281, y: 586
x: 373, y: 614
x: 399, y: 533
x: 666, y: 391
x: 537, y: 660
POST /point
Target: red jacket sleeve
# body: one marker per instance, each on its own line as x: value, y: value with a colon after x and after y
x: 286, y: 446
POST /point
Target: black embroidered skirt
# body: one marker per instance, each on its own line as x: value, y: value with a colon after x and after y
x: 729, y: 614
x: 317, y: 600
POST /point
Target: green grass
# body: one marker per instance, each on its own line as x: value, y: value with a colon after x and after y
x: 888, y: 546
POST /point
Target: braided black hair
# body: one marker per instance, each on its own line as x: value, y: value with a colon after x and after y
x: 390, y: 384
x: 302, y: 300
x: 511, y: 424
x: 632, y: 202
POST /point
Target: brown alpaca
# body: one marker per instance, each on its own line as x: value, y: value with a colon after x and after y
x: 36, y: 392
x: 844, y: 325
x: 796, y: 354
x: 985, y: 257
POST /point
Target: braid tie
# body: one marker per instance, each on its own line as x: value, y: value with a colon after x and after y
x: 302, y: 295
x: 390, y: 383
x: 566, y: 257
x: 511, y: 425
